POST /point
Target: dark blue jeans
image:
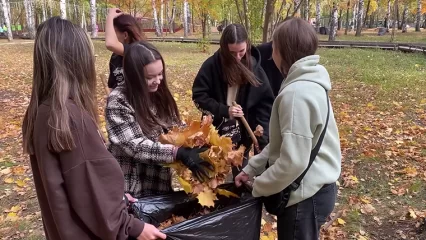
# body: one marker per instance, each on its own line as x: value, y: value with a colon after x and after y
x: 303, y: 220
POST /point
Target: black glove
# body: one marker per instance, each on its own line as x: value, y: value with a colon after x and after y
x: 190, y: 157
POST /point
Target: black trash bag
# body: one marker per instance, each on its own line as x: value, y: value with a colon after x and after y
x: 231, y: 218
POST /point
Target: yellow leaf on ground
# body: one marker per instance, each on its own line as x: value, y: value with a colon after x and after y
x: 226, y: 193
x: 362, y: 238
x: 8, y: 180
x: 20, y: 183
x: 207, y: 198
x: 264, y: 237
x: 412, y: 213
x: 15, y: 209
x: 5, y: 171
x: 341, y: 221
x: 185, y: 185
x: 11, y: 217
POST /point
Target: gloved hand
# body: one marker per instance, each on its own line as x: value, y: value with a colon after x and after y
x: 190, y: 157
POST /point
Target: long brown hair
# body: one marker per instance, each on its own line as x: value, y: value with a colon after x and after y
x: 64, y: 68
x: 234, y: 71
x: 143, y: 102
x: 127, y: 23
x: 294, y: 39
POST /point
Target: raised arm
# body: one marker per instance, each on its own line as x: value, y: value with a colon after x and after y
x: 111, y: 40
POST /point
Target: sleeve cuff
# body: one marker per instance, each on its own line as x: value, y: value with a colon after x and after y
x: 249, y: 170
x: 137, y: 228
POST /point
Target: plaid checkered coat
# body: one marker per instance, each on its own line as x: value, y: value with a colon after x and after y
x: 139, y: 155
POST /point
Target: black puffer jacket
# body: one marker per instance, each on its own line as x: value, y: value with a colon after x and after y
x: 210, y: 89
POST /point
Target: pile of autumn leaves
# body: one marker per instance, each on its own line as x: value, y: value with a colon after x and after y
x: 220, y: 154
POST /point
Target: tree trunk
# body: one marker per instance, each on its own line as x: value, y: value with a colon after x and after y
x: 93, y: 18
x: 306, y: 13
x: 29, y: 12
x: 333, y: 25
x: 359, y: 18
x: 50, y: 8
x: 63, y: 9
x: 6, y: 14
x: 296, y: 5
x: 172, y: 18
x: 348, y: 6
x: 317, y: 15
x: 83, y: 19
x: 339, y: 21
x: 204, y: 24
x: 404, y: 18
x: 240, y: 14
x: 161, y: 17
x: 371, y: 24
x: 246, y: 15
x: 43, y: 9
x: 192, y: 18
x: 154, y: 12
x: 366, y: 12
x: 354, y: 16
x: 388, y: 14
x: 395, y: 5
x: 270, y: 4
x: 419, y: 15
x: 398, y: 17
x: 185, y: 18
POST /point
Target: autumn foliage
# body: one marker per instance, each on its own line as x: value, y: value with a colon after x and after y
x: 221, y: 155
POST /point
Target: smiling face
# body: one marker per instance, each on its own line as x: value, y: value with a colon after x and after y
x: 238, y: 50
x: 154, y: 75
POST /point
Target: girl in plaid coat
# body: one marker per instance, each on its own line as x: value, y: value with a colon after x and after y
x: 138, y: 111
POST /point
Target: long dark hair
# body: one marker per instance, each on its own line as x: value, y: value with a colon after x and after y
x: 64, y: 68
x: 127, y: 23
x: 234, y: 71
x: 143, y: 102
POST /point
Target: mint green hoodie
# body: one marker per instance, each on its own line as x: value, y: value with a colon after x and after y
x: 297, y: 120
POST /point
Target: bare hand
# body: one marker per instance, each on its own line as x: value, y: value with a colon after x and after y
x: 114, y: 12
x: 130, y: 198
x: 241, y: 178
x: 151, y: 233
x: 235, y: 111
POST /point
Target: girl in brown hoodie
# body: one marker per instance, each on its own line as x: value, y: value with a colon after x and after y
x: 79, y: 184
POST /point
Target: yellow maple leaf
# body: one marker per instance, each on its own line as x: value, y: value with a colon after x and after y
x: 341, y: 221
x: 8, y: 180
x: 185, y: 185
x: 226, y: 193
x: 206, y: 198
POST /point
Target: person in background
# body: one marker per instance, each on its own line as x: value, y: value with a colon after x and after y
x: 234, y: 73
x: 120, y: 31
x: 137, y: 113
x: 79, y: 184
x: 274, y: 75
x: 304, y: 138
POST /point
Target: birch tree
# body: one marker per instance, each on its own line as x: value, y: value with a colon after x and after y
x: 404, y: 18
x: 154, y: 12
x: 317, y: 15
x: 185, y: 18
x: 29, y: 13
x: 359, y: 18
x: 6, y: 13
x: 354, y: 16
x: 172, y: 18
x: 333, y: 25
x: 93, y: 18
x: 162, y: 17
x: 63, y: 9
x: 269, y: 11
x: 419, y: 15
x: 43, y: 9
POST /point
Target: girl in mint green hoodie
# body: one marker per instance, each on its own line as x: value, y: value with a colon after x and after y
x: 307, y: 139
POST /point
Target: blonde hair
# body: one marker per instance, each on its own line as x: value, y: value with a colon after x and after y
x: 64, y: 69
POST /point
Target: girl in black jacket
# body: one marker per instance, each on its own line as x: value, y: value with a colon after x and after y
x: 234, y: 73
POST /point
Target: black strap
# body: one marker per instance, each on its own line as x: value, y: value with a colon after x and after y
x: 295, y: 185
